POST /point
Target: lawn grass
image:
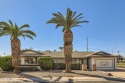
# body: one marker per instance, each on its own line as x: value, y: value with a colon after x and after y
x: 121, y: 65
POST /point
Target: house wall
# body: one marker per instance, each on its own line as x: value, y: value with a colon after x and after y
x: 59, y: 60
x: 23, y: 64
x: 104, y: 63
x: 22, y: 60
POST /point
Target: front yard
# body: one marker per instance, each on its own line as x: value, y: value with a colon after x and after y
x: 60, y: 75
x: 121, y: 65
x: 53, y: 73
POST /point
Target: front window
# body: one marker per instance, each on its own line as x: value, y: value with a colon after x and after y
x: 30, y: 60
x: 76, y: 61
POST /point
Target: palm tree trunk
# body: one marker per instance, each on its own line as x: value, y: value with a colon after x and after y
x: 15, y: 48
x: 68, y: 38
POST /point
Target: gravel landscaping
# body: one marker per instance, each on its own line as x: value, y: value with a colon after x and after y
x: 40, y: 75
x: 53, y: 73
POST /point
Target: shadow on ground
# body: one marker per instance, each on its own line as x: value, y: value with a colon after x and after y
x: 109, y: 78
x: 32, y: 78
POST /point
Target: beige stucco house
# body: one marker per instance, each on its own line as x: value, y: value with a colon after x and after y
x: 103, y: 60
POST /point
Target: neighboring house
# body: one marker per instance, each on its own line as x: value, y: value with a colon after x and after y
x: 103, y: 60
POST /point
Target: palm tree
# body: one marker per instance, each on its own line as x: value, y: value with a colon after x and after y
x: 61, y: 48
x: 68, y: 22
x: 12, y: 30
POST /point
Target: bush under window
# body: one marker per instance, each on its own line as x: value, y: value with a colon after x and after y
x: 6, y: 63
x: 45, y: 62
x: 28, y: 69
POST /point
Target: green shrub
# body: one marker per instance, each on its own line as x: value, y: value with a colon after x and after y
x: 6, y: 63
x: 28, y: 68
x: 62, y: 66
x: 45, y: 62
x: 75, y: 66
x: 59, y: 66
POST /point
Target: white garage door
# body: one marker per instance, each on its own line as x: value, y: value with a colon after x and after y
x: 104, y: 64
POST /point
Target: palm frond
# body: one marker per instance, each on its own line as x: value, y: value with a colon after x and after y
x: 58, y: 25
x: 25, y: 26
x: 11, y: 23
x: 3, y: 33
x: 58, y: 16
x: 74, y: 13
x: 69, y: 21
x: 27, y: 32
x: 27, y: 35
x: 4, y: 24
x: 14, y: 31
x: 63, y: 29
x: 6, y: 28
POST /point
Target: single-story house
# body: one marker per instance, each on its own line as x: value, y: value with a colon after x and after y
x: 103, y: 60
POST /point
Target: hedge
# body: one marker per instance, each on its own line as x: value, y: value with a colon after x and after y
x: 62, y: 66
x: 6, y: 63
x: 75, y: 66
x: 28, y: 69
x: 45, y: 62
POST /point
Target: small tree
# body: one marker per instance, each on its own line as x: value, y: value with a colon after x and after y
x: 61, y: 48
x: 45, y: 62
x: 120, y: 58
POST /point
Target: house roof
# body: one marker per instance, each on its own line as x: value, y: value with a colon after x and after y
x: 58, y: 54
x: 100, y: 54
x: 31, y: 53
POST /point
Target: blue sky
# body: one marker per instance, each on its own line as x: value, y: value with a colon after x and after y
x: 105, y: 30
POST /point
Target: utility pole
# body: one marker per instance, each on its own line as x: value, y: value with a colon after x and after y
x: 87, y: 44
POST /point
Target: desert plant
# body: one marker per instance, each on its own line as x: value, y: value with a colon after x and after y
x: 45, y: 62
x: 67, y: 22
x: 6, y: 63
x: 15, y: 32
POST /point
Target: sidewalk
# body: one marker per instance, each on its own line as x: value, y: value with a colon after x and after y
x: 48, y: 79
x: 60, y: 79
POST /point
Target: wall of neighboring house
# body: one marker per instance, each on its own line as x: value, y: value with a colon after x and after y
x: 104, y: 63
